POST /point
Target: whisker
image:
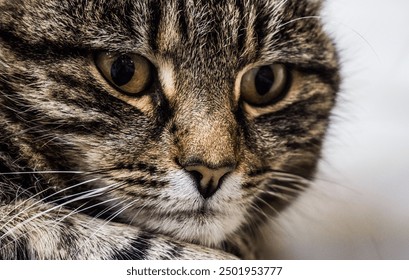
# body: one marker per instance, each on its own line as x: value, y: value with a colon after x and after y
x: 107, y: 208
x: 277, y: 195
x: 41, y: 172
x: 272, y: 190
x: 113, y: 216
x: 260, y: 211
x: 298, y: 19
x: 271, y: 207
x: 56, y: 222
x: 45, y: 198
x: 142, y: 208
x: 79, y: 209
x: 88, y: 194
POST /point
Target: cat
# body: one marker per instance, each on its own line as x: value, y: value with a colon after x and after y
x: 157, y: 129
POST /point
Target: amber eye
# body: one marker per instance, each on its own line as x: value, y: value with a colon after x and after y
x: 130, y: 73
x: 264, y: 85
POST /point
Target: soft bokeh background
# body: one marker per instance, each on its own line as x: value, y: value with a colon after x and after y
x: 359, y: 208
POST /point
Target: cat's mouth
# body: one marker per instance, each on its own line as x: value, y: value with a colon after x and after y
x: 179, y: 210
x: 205, y: 212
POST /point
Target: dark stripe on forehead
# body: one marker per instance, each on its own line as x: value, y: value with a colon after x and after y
x: 181, y: 16
x: 155, y: 19
x: 214, y: 19
x: 260, y: 30
x: 129, y: 23
x: 242, y: 33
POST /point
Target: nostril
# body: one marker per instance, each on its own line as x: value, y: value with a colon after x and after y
x: 197, y: 176
x: 221, y: 180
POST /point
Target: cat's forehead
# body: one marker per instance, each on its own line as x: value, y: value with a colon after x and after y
x: 230, y: 28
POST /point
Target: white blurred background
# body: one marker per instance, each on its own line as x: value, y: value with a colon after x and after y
x: 359, y: 208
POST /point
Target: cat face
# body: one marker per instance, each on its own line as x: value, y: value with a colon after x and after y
x: 193, y: 119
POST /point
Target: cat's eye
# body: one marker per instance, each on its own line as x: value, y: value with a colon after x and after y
x: 264, y: 85
x: 130, y: 73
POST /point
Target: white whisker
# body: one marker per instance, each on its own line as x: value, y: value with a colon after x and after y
x: 298, y: 19
x: 79, y: 209
x: 41, y: 172
x: 45, y: 198
x: 260, y: 211
x: 109, y: 220
x: 268, y: 204
x: 89, y: 194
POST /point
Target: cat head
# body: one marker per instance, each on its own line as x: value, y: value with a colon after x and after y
x: 196, y: 119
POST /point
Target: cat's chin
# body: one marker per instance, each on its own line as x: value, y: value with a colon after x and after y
x: 204, y: 227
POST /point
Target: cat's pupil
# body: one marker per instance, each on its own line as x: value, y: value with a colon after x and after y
x: 122, y: 70
x: 264, y: 80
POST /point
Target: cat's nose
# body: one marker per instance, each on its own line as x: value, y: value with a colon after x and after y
x: 208, y: 180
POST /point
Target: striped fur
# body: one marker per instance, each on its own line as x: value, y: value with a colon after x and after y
x: 89, y: 173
